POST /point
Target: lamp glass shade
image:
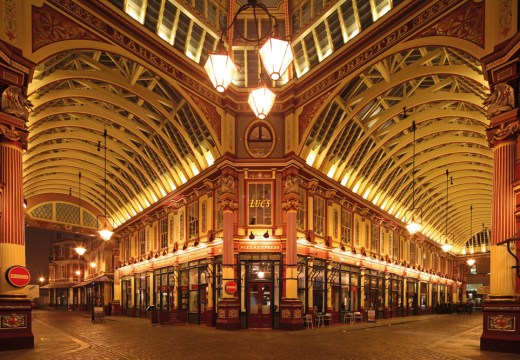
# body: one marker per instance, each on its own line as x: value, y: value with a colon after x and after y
x: 221, y: 70
x: 261, y: 101
x: 446, y: 247
x: 413, y: 226
x: 276, y: 55
x: 471, y: 262
x: 80, y: 250
x: 105, y: 234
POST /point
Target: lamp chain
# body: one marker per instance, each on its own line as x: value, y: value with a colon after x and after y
x: 105, y: 136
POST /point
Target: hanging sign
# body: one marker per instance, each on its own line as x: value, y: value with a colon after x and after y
x: 18, y: 276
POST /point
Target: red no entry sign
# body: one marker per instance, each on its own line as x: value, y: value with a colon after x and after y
x: 231, y: 287
x: 18, y: 276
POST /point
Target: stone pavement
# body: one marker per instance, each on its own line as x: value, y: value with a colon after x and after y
x: 71, y: 335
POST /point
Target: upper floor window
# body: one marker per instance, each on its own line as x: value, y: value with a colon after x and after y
x: 260, y: 204
x: 374, y: 238
x: 319, y: 216
x: 193, y: 220
x: 142, y: 241
x: 164, y: 233
x: 395, y: 244
x: 346, y: 226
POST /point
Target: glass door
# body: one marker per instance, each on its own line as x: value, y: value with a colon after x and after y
x: 260, y: 305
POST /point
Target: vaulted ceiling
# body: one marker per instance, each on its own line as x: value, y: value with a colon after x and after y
x: 158, y: 137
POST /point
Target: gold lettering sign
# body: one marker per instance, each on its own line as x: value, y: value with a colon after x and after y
x: 259, y: 203
x: 256, y: 247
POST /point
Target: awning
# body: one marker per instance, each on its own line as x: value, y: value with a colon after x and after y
x: 97, y: 279
x: 60, y: 285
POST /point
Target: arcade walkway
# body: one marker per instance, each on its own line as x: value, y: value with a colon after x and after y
x: 66, y: 335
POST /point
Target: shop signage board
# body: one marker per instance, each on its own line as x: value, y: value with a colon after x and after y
x: 231, y: 287
x: 18, y: 276
x: 260, y: 247
x: 371, y: 315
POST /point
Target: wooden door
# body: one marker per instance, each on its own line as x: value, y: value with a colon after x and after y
x: 260, y: 305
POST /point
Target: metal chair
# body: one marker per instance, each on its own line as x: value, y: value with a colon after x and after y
x: 358, y: 316
x: 307, y: 321
x: 328, y: 319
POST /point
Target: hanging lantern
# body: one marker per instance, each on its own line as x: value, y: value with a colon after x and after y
x: 446, y: 247
x: 105, y: 233
x: 276, y: 55
x: 261, y: 101
x: 220, y: 68
x: 80, y: 250
x: 413, y: 226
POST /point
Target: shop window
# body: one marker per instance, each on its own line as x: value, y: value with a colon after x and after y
x: 260, y: 204
x: 164, y: 234
x: 194, y: 290
x: 346, y: 226
x: 193, y: 220
x: 473, y: 270
x: 319, y: 216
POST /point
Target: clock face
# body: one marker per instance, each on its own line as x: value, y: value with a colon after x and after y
x: 260, y: 139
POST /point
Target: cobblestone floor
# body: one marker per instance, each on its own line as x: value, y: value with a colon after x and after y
x: 69, y: 335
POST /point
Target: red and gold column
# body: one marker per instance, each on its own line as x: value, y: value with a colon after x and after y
x: 15, y: 307
x: 228, y: 314
x: 291, y: 308
x: 501, y: 311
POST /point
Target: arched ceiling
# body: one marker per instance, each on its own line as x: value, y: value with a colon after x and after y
x: 364, y: 139
x: 157, y: 140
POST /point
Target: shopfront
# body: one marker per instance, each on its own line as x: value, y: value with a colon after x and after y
x: 260, y: 284
x: 141, y: 294
x: 127, y: 303
x: 374, y: 292
x: 411, y: 296
x: 395, y: 295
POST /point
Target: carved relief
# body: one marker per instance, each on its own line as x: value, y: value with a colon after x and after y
x: 505, y: 131
x: 290, y: 204
x: 467, y: 22
x: 49, y: 26
x: 210, y: 113
x: 10, y: 17
x: 501, y: 99
x: 308, y: 113
x: 292, y: 185
x: 227, y: 185
x: 15, y: 103
x: 228, y: 204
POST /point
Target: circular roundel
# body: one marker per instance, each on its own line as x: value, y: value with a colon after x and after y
x: 18, y: 276
x: 260, y: 139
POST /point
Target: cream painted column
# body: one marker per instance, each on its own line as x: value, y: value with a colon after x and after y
x: 12, y: 229
x: 502, y: 281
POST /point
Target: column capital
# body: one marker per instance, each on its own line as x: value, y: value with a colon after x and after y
x: 228, y: 203
x: 291, y: 203
x: 508, y: 128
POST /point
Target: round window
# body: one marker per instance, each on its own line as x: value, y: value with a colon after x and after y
x: 260, y: 139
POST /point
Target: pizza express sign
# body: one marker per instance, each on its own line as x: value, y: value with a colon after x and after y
x: 18, y: 276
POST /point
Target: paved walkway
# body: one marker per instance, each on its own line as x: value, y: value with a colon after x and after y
x: 71, y: 335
